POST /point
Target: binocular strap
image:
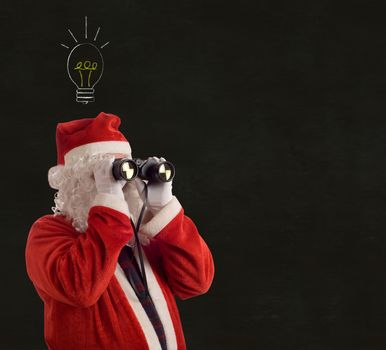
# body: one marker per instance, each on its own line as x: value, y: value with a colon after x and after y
x: 138, y: 243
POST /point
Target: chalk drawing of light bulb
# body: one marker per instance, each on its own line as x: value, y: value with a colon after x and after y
x: 85, y: 65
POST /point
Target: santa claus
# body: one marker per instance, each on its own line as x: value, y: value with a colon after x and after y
x: 101, y: 287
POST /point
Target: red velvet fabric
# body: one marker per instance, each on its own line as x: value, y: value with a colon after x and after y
x: 84, y: 305
x: 75, y: 133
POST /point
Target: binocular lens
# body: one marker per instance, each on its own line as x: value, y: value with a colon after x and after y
x: 125, y: 169
x: 128, y: 170
x: 165, y: 172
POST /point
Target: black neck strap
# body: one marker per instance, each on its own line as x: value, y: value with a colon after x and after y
x: 138, y: 243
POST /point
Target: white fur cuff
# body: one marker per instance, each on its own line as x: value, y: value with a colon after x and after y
x: 111, y: 201
x: 161, y: 219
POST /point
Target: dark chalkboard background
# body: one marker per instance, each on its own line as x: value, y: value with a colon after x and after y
x: 274, y: 114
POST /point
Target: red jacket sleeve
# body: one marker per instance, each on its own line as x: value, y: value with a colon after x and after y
x: 72, y: 267
x: 180, y: 251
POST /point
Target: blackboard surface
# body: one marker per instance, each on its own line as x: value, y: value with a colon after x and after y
x: 274, y: 114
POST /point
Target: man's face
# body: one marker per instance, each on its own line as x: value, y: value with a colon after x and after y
x: 119, y: 155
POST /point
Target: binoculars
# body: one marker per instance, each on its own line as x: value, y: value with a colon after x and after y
x: 150, y: 169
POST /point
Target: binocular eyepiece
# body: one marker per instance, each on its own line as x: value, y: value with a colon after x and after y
x: 150, y: 169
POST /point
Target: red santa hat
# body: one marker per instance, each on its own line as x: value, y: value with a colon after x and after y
x: 89, y: 136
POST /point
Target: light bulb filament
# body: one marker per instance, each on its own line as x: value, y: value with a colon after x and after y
x: 85, y: 66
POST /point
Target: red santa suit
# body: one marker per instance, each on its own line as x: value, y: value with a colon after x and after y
x: 88, y: 301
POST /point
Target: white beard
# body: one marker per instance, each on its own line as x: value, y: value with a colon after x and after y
x: 77, y: 191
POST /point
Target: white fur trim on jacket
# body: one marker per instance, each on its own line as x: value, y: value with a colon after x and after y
x: 161, y: 218
x: 97, y: 147
x: 111, y: 201
x: 160, y: 304
x: 139, y: 311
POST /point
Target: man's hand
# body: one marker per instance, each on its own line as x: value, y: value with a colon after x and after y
x: 158, y: 193
x: 104, y: 179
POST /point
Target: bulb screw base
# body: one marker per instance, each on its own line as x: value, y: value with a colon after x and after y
x: 85, y: 95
